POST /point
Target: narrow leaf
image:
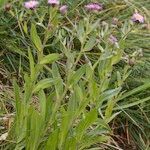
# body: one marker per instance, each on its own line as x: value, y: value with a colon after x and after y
x: 90, y: 44
x: 49, y: 58
x: 45, y: 83
x: 32, y: 68
x: 35, y: 38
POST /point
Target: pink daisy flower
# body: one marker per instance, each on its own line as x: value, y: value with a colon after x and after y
x: 53, y: 2
x: 137, y: 18
x: 31, y: 4
x: 63, y: 9
x: 94, y: 7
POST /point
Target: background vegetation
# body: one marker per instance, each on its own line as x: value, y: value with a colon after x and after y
x: 64, y: 85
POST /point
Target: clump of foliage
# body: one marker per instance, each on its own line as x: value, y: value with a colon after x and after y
x: 74, y: 75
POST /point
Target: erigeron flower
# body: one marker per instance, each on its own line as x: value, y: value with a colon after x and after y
x: 136, y: 17
x: 93, y: 7
x: 53, y: 2
x: 63, y: 9
x: 31, y: 4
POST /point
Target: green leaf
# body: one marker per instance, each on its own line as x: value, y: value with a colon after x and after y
x: 80, y: 31
x: 17, y: 98
x: 67, y: 119
x: 134, y: 91
x: 25, y: 28
x: 27, y: 88
x: 35, y: 38
x: 93, y: 26
x: 84, y: 124
x: 108, y: 120
x: 70, y: 144
x: 59, y: 86
x: 15, y: 49
x: 91, y: 140
x: 2, y: 3
x: 117, y: 56
x: 32, y: 68
x: 42, y: 99
x: 49, y: 58
x: 45, y: 83
x: 107, y: 95
x: 52, y: 140
x: 78, y: 75
x: 110, y: 105
x: 35, y: 129
x: 90, y: 44
x: 132, y: 104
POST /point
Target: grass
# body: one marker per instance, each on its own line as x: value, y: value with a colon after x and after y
x: 65, y: 86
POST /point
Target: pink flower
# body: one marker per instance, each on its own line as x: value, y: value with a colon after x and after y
x: 53, y: 2
x: 113, y: 39
x: 137, y: 18
x: 31, y: 4
x: 94, y: 7
x: 63, y: 9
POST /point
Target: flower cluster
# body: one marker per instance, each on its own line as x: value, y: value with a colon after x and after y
x: 92, y: 7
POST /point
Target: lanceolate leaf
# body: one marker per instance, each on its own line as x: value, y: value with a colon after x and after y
x: 32, y: 68
x: 90, y: 118
x: 90, y: 44
x: 136, y: 90
x: 17, y: 98
x: 77, y: 75
x: 35, y: 38
x: 45, y: 83
x: 42, y: 99
x: 49, y: 58
x: 132, y: 104
x: 59, y: 86
x: 91, y: 140
x: 52, y: 141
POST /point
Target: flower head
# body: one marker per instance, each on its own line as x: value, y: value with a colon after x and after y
x: 113, y: 39
x: 31, y: 4
x: 53, y: 2
x: 94, y: 7
x: 7, y: 7
x: 63, y: 9
x: 136, y: 17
